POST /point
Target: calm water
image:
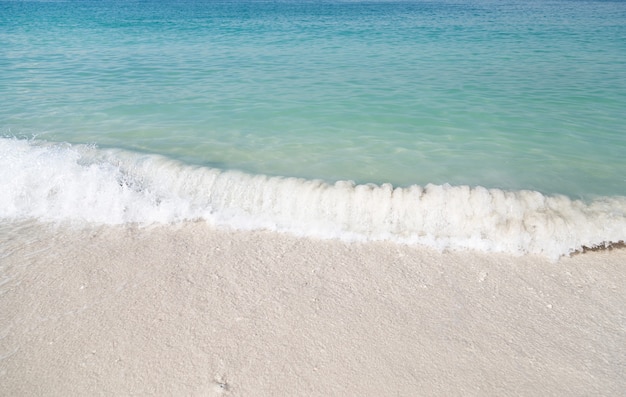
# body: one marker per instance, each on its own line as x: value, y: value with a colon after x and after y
x: 508, y: 95
x: 513, y: 94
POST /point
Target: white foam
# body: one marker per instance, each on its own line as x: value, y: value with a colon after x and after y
x: 61, y: 182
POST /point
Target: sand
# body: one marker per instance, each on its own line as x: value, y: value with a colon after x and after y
x: 196, y: 311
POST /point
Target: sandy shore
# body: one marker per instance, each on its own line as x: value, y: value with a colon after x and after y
x: 194, y: 311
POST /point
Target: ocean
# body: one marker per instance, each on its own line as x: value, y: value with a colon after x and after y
x: 486, y: 125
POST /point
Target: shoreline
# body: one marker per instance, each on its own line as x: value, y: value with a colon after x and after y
x: 191, y: 310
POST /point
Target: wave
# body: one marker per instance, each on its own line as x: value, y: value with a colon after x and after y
x: 63, y: 182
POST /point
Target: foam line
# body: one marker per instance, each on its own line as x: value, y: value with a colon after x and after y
x: 62, y: 182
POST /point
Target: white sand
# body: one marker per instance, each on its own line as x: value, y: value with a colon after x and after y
x: 202, y: 312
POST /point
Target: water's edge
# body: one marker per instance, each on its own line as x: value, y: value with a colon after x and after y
x: 54, y: 182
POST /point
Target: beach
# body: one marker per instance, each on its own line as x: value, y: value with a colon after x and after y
x: 197, y: 310
x: 312, y: 198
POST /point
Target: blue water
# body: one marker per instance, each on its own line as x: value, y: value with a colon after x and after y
x: 512, y: 96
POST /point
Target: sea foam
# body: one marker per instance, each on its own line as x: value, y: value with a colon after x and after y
x: 63, y: 182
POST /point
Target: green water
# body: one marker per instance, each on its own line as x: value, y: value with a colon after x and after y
x: 513, y: 95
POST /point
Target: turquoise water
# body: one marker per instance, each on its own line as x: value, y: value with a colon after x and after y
x: 512, y: 96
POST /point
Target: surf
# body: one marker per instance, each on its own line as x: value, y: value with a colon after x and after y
x: 83, y: 184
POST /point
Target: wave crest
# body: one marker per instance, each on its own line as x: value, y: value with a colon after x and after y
x: 60, y: 182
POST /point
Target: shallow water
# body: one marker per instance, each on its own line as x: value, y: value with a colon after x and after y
x: 512, y: 104
x: 514, y: 95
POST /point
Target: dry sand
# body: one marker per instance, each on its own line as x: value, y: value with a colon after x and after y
x: 194, y: 311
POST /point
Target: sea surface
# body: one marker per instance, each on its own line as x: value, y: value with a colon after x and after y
x: 480, y: 124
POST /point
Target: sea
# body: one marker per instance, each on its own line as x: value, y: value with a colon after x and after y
x: 488, y: 125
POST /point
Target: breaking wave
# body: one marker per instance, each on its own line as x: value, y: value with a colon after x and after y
x: 63, y: 182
